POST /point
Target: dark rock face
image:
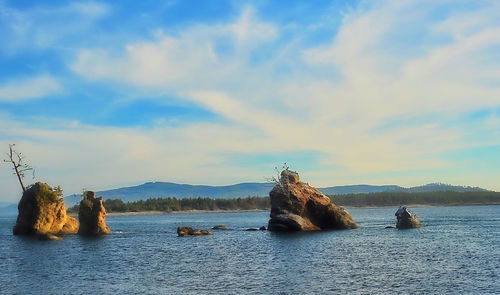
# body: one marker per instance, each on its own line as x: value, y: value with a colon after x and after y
x: 42, y: 213
x: 92, y: 215
x: 183, y: 231
x: 296, y: 206
x: 406, y: 219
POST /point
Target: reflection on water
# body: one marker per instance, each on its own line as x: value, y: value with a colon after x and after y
x: 455, y: 252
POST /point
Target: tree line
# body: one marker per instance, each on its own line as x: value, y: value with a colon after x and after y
x: 423, y: 198
x: 263, y: 203
x: 174, y: 204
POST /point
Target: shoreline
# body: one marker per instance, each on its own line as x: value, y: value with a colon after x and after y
x: 155, y: 212
x: 181, y: 212
x: 75, y: 214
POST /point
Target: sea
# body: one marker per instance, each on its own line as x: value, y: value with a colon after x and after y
x: 457, y: 251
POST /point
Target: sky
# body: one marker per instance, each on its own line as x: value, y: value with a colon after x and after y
x: 100, y: 95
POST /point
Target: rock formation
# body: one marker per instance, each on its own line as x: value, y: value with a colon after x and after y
x: 183, y: 231
x: 42, y: 212
x: 296, y: 206
x: 92, y: 215
x: 406, y: 219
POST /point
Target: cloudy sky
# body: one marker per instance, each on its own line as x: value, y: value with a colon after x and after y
x: 99, y: 95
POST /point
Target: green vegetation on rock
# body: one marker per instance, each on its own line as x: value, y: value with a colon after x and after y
x: 42, y: 211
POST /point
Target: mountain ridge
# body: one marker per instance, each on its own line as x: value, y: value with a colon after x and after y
x: 241, y: 190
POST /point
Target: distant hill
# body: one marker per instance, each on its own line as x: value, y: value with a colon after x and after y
x: 442, y: 187
x: 242, y: 190
x: 180, y: 191
x: 9, y: 210
x: 5, y: 204
x: 359, y: 189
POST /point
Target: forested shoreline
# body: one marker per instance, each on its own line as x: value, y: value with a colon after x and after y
x: 449, y: 198
x: 382, y: 199
x: 186, y: 204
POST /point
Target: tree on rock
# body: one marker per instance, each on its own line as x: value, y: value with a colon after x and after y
x: 19, y: 166
x: 42, y: 211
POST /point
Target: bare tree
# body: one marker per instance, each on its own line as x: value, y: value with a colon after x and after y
x: 19, y: 166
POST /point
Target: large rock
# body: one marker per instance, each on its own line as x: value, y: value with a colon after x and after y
x: 406, y: 219
x: 92, y: 215
x: 42, y: 212
x: 296, y: 206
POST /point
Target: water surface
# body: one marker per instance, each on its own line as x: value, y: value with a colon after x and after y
x: 456, y: 252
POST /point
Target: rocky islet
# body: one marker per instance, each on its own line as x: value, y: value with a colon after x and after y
x: 42, y: 213
x: 296, y: 206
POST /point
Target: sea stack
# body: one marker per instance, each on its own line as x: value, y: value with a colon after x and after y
x: 296, y: 206
x: 42, y: 212
x: 92, y: 215
x: 406, y: 219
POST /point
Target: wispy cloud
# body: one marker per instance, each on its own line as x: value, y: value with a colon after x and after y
x: 380, y: 100
x: 200, y: 57
x: 29, y: 88
x: 47, y: 26
x: 377, y: 82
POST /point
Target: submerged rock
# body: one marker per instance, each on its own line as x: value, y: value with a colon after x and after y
x: 296, y: 206
x: 48, y: 237
x: 183, y: 231
x: 406, y: 219
x: 262, y: 228
x: 92, y: 215
x: 42, y: 211
x: 223, y: 227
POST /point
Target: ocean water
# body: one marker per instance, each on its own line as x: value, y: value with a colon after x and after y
x: 456, y: 252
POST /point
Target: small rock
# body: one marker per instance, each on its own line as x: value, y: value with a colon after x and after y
x: 183, y: 231
x: 406, y: 219
x: 262, y: 228
x: 223, y: 227
x: 390, y: 226
x: 290, y: 176
x: 251, y: 229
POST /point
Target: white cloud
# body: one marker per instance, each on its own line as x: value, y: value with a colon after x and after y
x: 381, y: 79
x: 45, y: 26
x: 189, y: 61
x: 89, y: 9
x: 304, y: 110
x: 29, y: 88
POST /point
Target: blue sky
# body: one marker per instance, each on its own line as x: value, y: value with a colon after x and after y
x: 99, y: 95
